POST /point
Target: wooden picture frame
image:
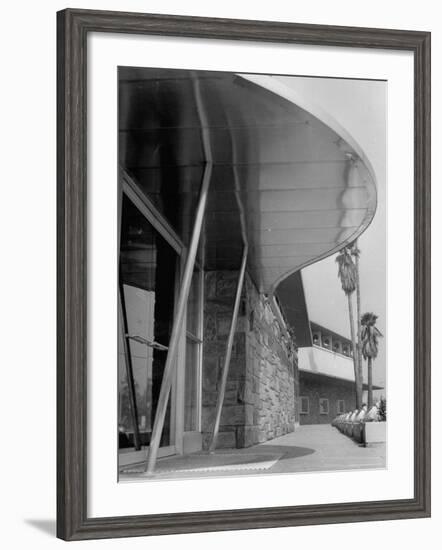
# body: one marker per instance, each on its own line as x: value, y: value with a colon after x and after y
x: 73, y: 27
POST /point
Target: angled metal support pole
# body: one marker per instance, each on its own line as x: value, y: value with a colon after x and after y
x: 225, y: 371
x: 129, y: 369
x: 169, y: 367
x: 175, y: 336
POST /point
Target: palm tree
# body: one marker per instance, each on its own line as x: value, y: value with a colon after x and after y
x: 370, y: 338
x: 355, y: 252
x: 348, y: 277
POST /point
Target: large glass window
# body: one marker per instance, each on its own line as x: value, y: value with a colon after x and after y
x: 147, y: 275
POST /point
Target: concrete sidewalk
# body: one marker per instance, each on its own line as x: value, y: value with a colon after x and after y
x: 331, y: 450
x: 308, y: 449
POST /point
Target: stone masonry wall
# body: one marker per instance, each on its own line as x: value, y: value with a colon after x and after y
x: 271, y: 362
x: 261, y: 391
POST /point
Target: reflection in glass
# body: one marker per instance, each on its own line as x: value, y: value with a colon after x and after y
x: 147, y: 278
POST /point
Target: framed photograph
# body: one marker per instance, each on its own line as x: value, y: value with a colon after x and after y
x: 243, y: 274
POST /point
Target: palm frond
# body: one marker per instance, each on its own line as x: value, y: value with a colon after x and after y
x: 354, y: 250
x: 370, y: 335
x: 346, y: 270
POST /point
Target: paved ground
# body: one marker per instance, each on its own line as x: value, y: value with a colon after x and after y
x: 322, y: 447
x: 308, y: 449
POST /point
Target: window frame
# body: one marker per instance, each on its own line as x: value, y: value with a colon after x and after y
x: 198, y: 339
x: 301, y: 410
x: 326, y: 400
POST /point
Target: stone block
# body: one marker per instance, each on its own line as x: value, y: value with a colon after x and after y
x: 232, y: 415
x: 209, y: 398
x: 241, y: 391
x: 231, y: 397
x: 226, y: 283
x: 214, y: 349
x: 239, y: 344
x: 210, y: 329
x: 210, y: 284
x: 225, y: 440
x: 237, y: 368
x: 219, y: 305
x: 245, y: 393
x: 246, y: 436
x: 207, y: 418
x: 248, y: 410
x: 242, y: 324
x: 223, y: 321
x: 210, y: 375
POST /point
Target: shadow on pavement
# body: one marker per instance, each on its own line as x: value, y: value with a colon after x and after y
x: 287, y: 451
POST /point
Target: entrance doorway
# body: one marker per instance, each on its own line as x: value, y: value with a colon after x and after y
x: 150, y: 263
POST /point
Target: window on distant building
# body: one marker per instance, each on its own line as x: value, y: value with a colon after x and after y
x: 326, y: 342
x: 317, y: 338
x: 304, y: 405
x: 337, y: 346
x: 341, y: 406
x: 323, y: 405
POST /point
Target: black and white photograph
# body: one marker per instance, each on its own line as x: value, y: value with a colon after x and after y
x: 252, y: 316
x: 219, y: 239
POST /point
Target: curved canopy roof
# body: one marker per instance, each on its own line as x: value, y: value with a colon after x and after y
x: 285, y: 176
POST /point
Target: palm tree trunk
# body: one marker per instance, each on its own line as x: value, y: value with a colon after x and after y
x: 358, y: 312
x: 358, y: 386
x: 370, y: 382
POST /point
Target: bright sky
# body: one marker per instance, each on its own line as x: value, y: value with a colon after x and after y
x: 360, y: 107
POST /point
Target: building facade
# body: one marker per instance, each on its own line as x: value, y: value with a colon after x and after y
x: 228, y: 185
x: 326, y: 377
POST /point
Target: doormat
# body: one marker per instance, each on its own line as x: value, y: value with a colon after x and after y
x: 205, y: 462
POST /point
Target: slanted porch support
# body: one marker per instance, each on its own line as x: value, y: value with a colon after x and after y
x: 169, y: 368
x: 226, y: 364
